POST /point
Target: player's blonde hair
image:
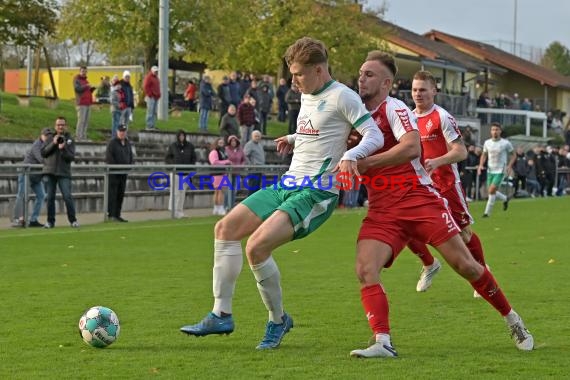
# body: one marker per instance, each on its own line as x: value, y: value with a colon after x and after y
x: 385, y: 59
x: 425, y: 76
x: 306, y: 51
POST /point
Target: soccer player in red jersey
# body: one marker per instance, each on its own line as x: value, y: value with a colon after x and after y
x: 412, y: 209
x: 442, y: 148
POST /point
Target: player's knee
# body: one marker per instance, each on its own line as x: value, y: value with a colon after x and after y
x: 366, y: 273
x: 466, y: 235
x: 222, y: 230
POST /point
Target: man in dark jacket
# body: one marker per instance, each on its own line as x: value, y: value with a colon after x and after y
x: 33, y: 156
x: 180, y: 152
x: 59, y: 153
x: 119, y: 152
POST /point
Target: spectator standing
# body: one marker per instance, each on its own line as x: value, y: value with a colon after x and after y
x: 83, y: 101
x: 206, y: 96
x: 532, y: 184
x: 119, y: 152
x: 104, y: 90
x: 229, y: 124
x: 237, y: 157
x: 190, y: 95
x: 224, y: 96
x: 128, y: 99
x: 151, y: 87
x: 254, y: 155
x: 180, y: 152
x: 472, y: 161
x: 520, y: 168
x: 218, y: 157
x: 546, y: 169
x: 246, y: 118
x: 117, y: 101
x: 235, y: 89
x: 282, y: 103
x: 58, y: 154
x: 265, y: 102
x: 33, y: 156
x: 293, y: 99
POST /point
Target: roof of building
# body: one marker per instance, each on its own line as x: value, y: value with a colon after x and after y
x: 434, y: 50
x: 502, y: 58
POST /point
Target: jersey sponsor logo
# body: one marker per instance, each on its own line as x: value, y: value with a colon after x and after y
x: 305, y: 127
x: 405, y: 119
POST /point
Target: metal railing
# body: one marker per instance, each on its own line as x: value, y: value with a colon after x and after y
x: 103, y: 171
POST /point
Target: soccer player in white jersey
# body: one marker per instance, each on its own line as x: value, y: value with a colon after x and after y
x: 272, y: 217
x: 496, y: 152
x: 442, y: 148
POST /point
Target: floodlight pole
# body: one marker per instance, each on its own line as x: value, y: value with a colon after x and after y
x: 515, y: 31
x: 163, y: 48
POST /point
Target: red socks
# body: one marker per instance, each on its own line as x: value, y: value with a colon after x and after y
x: 421, y: 251
x: 376, y: 308
x: 487, y: 287
x: 476, y: 249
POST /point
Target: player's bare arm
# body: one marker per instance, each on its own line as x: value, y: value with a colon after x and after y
x: 456, y: 153
x: 482, y: 161
x: 408, y: 149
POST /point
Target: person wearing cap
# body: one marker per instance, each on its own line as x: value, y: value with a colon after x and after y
x: 127, y: 104
x: 33, y: 156
x: 151, y: 87
x: 58, y: 153
x: 206, y: 97
x: 83, y: 100
x: 180, y: 152
x: 119, y: 152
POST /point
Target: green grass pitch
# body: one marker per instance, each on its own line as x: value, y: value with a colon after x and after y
x: 157, y: 277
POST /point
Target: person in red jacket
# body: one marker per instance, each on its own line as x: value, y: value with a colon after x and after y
x: 151, y: 87
x: 83, y: 101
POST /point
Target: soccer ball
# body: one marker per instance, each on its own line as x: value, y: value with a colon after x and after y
x: 99, y: 326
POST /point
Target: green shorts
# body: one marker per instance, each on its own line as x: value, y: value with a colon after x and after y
x: 307, y: 208
x: 494, y: 179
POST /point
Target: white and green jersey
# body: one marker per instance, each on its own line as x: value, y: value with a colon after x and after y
x: 325, y: 120
x: 497, y: 154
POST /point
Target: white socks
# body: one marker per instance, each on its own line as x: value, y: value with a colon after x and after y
x: 383, y: 339
x: 228, y: 261
x: 269, y: 285
x: 490, y: 204
x: 500, y: 196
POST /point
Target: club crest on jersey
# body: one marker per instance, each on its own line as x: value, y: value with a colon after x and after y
x: 305, y: 127
x: 429, y: 125
x: 405, y: 119
x: 321, y: 105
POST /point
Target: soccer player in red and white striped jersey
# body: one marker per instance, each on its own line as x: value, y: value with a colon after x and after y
x: 413, y: 209
x: 442, y: 148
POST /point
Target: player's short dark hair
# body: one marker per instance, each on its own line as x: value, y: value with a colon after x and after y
x: 385, y: 59
x: 425, y: 76
x: 496, y: 124
x: 306, y: 51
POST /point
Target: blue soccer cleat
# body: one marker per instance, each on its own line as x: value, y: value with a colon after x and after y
x: 211, y: 324
x: 274, y: 333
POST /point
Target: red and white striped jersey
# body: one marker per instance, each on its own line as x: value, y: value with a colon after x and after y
x: 437, y: 129
x: 391, y: 183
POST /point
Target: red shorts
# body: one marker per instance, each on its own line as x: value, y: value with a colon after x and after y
x: 458, y: 206
x: 421, y: 214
